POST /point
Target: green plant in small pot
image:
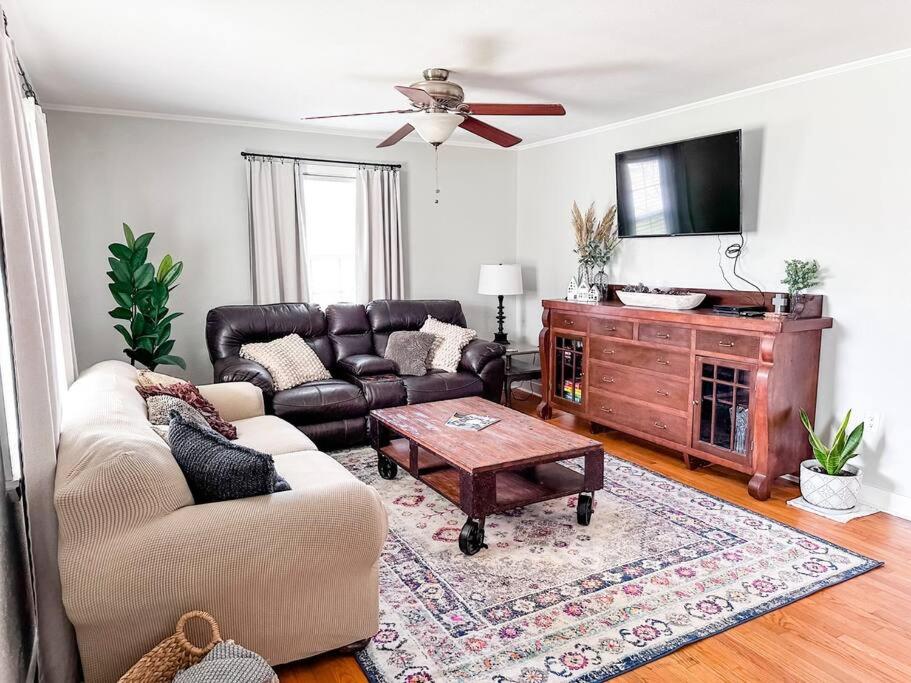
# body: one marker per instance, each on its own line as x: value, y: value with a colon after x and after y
x: 141, y: 293
x: 827, y: 480
x: 799, y: 276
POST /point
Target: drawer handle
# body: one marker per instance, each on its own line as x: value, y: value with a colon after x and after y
x: 567, y: 321
x: 607, y: 380
x: 729, y: 345
x: 609, y: 411
x: 610, y: 329
x: 661, y: 361
x: 662, y: 392
x: 660, y: 425
x: 663, y: 335
x: 608, y: 352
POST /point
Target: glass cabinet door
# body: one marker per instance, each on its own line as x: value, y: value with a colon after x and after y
x: 569, y: 370
x: 722, y: 410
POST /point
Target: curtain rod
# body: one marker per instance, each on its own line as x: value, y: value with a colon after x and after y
x: 27, y: 89
x: 246, y: 155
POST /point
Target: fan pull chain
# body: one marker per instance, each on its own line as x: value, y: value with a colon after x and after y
x: 436, y: 173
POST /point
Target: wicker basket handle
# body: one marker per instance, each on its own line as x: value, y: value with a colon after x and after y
x: 184, y: 642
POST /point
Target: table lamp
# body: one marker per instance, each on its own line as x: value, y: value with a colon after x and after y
x: 502, y: 279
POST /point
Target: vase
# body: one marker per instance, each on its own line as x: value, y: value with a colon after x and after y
x: 832, y: 492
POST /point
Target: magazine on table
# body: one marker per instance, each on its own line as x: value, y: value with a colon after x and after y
x: 470, y: 421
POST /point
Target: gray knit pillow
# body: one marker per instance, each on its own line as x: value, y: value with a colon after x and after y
x: 217, y: 469
x: 409, y: 351
x: 228, y: 661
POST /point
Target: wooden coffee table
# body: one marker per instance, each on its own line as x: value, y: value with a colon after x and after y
x: 510, y: 464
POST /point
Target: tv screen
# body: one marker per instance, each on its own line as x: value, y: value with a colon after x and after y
x: 690, y: 187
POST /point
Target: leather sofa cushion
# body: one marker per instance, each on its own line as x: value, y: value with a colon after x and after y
x: 389, y: 315
x: 362, y: 364
x: 381, y: 391
x: 330, y: 436
x: 439, y: 386
x: 320, y: 401
x: 349, y: 330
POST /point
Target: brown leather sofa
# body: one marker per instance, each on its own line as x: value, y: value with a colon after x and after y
x: 350, y: 341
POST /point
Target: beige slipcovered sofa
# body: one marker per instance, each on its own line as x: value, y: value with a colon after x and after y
x: 288, y: 575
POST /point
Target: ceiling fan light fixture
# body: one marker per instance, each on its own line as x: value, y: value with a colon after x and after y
x: 435, y: 127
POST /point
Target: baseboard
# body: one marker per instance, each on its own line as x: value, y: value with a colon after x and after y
x: 887, y: 501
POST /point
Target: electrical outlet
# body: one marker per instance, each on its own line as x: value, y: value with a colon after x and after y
x: 872, y: 423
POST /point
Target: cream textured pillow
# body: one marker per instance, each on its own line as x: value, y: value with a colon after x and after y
x: 149, y: 378
x: 448, y: 342
x: 289, y: 360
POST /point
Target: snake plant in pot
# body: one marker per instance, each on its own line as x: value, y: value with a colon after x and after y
x: 141, y: 293
x: 827, y: 480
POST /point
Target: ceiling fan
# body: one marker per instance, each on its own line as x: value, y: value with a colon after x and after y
x: 438, y: 108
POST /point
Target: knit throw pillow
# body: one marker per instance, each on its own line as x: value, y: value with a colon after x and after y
x: 448, y: 342
x: 289, y: 360
x: 190, y: 394
x: 148, y: 378
x: 160, y: 408
x: 409, y: 351
x: 217, y: 469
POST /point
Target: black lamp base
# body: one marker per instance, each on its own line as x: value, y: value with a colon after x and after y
x: 500, y: 336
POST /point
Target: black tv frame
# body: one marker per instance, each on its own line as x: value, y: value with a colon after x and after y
x: 739, y: 231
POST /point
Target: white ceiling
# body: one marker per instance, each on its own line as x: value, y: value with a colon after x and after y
x: 277, y: 60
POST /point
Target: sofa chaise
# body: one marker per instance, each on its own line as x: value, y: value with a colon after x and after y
x: 288, y: 575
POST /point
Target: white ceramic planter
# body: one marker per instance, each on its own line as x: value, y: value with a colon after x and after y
x: 825, y: 491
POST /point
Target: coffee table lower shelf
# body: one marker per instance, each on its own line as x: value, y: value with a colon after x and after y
x: 479, y: 494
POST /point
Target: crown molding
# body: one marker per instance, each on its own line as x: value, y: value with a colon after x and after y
x: 243, y: 123
x: 737, y: 94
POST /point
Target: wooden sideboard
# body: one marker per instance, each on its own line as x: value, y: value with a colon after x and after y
x: 719, y: 389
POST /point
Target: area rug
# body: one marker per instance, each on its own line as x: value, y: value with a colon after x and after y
x: 660, y: 566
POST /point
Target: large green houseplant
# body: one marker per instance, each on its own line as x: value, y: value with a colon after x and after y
x: 827, y: 480
x: 141, y: 293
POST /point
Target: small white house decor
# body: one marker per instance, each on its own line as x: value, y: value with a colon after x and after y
x: 827, y: 480
x: 571, y: 289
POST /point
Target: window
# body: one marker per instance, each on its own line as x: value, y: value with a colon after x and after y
x: 330, y: 202
x: 648, y: 202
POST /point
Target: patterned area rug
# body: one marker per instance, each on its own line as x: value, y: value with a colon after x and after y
x: 661, y: 565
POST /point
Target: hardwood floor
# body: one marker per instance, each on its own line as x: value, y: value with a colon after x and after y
x: 859, y: 630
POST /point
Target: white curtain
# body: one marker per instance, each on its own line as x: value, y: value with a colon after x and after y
x: 277, y: 231
x: 378, y: 257
x: 41, y: 344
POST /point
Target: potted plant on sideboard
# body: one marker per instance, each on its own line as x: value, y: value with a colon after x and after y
x: 827, y: 480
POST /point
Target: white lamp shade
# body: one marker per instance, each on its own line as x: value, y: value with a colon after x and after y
x: 503, y: 278
x: 435, y: 127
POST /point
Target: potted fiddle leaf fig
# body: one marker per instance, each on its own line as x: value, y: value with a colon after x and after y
x: 827, y: 480
x: 141, y: 292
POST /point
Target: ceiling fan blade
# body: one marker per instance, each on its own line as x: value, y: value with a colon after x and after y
x: 366, y: 113
x: 417, y: 95
x: 487, y: 109
x: 488, y: 132
x: 400, y: 134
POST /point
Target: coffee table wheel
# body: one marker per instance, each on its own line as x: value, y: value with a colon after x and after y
x: 471, y: 540
x: 584, y: 508
x: 386, y: 467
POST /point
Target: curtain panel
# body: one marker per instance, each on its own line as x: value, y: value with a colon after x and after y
x: 41, y: 346
x: 378, y: 255
x: 277, y: 231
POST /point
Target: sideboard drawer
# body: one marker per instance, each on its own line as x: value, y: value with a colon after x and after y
x: 663, y: 391
x: 665, y: 334
x: 608, y: 327
x: 649, y: 419
x: 569, y: 321
x: 671, y: 362
x: 732, y: 344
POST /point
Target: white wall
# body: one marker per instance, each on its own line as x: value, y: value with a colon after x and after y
x: 186, y: 182
x: 827, y: 175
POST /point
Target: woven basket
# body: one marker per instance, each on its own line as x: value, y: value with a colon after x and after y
x: 173, y: 654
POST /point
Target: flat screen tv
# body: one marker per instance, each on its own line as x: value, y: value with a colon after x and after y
x: 690, y: 187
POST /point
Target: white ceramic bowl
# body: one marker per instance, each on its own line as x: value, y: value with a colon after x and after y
x: 674, y: 302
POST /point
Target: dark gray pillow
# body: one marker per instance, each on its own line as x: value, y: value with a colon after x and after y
x: 408, y: 350
x: 217, y: 469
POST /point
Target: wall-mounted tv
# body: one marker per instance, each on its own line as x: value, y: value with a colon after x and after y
x: 691, y: 187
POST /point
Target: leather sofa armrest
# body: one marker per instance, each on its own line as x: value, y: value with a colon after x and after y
x: 478, y: 353
x: 237, y: 369
x: 363, y: 364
